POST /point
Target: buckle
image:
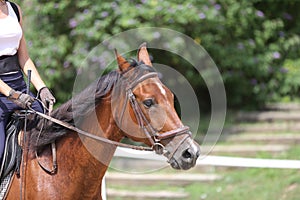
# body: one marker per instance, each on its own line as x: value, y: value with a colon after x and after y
x: 158, y: 148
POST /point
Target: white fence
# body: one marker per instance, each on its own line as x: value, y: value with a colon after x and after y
x: 210, y: 161
x: 215, y: 160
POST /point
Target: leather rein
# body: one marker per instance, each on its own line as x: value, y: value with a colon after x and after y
x: 150, y: 132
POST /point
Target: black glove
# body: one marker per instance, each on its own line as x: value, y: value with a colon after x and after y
x: 21, y: 99
x: 46, y: 96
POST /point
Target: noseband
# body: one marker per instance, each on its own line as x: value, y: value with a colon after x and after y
x: 150, y: 132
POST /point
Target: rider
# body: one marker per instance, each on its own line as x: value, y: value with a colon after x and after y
x: 14, y: 59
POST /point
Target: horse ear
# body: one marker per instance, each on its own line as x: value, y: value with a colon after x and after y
x: 122, y: 62
x: 143, y: 54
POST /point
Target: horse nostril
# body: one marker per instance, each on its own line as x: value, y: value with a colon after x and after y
x: 187, y: 154
x: 198, y: 154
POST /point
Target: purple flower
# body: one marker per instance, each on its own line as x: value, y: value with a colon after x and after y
x: 281, y: 34
x: 284, y: 70
x: 202, y: 16
x: 72, y: 23
x: 138, y: 6
x: 171, y: 21
x: 276, y: 55
x: 287, y: 16
x: 260, y: 13
x: 86, y: 11
x: 240, y: 45
x: 114, y: 5
x: 29, y: 43
x: 66, y: 64
x: 251, y: 42
x: 253, y: 81
x: 51, y: 71
x: 38, y: 63
x: 218, y: 7
x: 104, y: 14
x: 56, y: 5
x: 159, y: 8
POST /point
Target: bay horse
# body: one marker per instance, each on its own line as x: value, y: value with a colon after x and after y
x: 129, y: 102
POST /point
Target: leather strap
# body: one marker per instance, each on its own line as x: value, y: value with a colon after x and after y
x: 53, y: 150
x: 179, y: 131
x: 144, y: 124
x: 150, y: 132
x: 84, y: 133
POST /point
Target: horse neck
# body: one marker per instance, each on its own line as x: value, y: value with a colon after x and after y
x: 82, y: 162
x: 101, y: 123
x: 91, y: 158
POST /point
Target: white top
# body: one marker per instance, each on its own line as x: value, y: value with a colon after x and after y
x: 10, y: 33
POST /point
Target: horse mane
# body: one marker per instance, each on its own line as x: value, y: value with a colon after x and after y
x: 45, y: 132
x: 78, y: 107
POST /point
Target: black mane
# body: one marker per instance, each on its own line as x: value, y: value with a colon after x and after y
x: 81, y: 105
x: 67, y: 112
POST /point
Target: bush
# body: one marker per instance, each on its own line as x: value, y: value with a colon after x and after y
x: 248, y: 40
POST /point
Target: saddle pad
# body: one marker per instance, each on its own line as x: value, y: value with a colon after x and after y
x: 12, y: 152
x: 11, y: 149
x: 4, y: 186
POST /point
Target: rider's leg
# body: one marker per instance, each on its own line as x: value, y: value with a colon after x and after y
x: 2, y: 138
x: 6, y: 107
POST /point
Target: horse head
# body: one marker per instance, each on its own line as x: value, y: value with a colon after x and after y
x: 144, y: 110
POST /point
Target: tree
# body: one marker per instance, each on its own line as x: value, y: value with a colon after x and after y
x: 249, y: 40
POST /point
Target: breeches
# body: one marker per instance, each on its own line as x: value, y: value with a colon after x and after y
x: 7, y: 107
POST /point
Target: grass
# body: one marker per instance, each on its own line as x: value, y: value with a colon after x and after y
x: 258, y: 184
x: 253, y: 183
x: 238, y: 183
x: 241, y: 184
x: 249, y: 184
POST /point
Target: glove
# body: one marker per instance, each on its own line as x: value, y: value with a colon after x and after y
x: 46, y: 96
x: 21, y: 99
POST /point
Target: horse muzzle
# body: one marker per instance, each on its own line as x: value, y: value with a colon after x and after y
x: 185, y: 155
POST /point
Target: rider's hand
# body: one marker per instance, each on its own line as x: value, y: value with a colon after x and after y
x: 46, y: 96
x: 21, y: 99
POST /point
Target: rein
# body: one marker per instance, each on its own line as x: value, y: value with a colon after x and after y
x: 87, y: 134
x: 150, y: 132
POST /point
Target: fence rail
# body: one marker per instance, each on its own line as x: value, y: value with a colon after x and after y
x: 224, y: 161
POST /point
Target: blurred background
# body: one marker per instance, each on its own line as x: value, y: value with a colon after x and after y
x: 255, y: 45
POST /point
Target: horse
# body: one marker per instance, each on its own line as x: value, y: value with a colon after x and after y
x: 130, y: 101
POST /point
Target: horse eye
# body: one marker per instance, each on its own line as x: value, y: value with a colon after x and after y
x: 148, y: 103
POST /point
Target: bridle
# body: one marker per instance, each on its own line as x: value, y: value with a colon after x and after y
x: 150, y: 132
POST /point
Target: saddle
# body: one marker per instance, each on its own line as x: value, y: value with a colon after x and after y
x: 12, y: 154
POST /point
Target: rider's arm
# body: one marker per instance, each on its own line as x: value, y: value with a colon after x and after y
x: 4, y: 88
x: 26, y: 63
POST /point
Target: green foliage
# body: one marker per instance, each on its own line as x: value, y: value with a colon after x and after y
x: 248, y: 40
x: 289, y: 78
